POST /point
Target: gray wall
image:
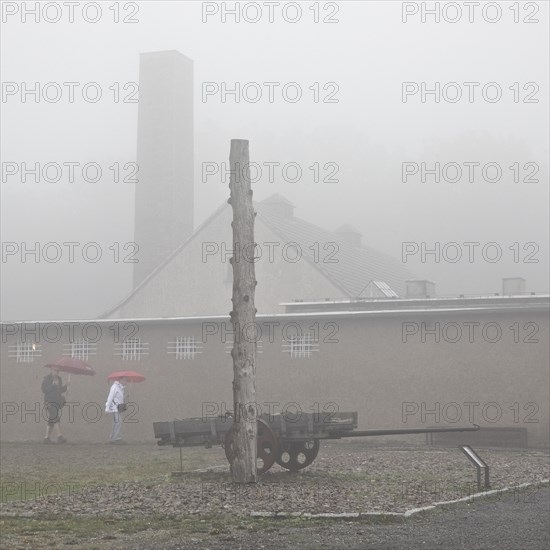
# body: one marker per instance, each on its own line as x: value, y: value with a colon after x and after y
x: 368, y: 369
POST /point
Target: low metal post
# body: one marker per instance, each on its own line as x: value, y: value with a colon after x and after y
x: 479, y: 463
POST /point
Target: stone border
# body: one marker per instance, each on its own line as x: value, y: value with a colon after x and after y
x: 390, y: 515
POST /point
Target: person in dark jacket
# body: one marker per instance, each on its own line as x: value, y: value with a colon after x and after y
x: 53, y: 389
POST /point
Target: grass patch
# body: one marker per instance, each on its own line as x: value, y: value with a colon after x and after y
x: 99, y: 534
x: 33, y: 470
x: 86, y: 527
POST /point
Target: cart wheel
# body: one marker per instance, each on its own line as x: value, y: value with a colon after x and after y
x: 296, y: 455
x: 267, y: 447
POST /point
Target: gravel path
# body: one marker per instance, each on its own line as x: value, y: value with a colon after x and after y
x: 510, y: 523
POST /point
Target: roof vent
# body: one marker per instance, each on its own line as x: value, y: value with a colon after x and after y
x: 513, y: 286
x: 349, y: 234
x: 278, y: 206
x: 420, y: 288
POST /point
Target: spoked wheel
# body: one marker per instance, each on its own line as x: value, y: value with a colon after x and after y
x: 267, y: 447
x: 296, y: 455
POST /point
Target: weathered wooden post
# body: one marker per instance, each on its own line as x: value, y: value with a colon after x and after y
x: 243, y: 465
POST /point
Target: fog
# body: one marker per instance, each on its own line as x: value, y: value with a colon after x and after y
x: 369, y: 132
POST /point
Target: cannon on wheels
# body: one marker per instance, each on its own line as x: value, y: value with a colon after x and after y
x: 294, y: 445
x: 292, y: 455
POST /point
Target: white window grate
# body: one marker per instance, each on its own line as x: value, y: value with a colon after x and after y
x: 300, y: 347
x: 185, y: 347
x: 80, y: 349
x: 25, y: 352
x: 132, y: 349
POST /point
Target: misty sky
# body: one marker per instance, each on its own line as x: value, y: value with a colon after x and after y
x: 369, y: 133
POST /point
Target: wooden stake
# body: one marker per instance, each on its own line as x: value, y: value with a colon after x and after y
x: 243, y: 315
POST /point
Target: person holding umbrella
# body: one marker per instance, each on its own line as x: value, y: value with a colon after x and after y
x: 118, y: 399
x: 53, y: 389
x: 115, y: 404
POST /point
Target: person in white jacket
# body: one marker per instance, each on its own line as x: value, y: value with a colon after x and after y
x: 116, y: 398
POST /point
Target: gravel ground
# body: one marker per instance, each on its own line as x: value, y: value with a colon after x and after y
x: 133, y: 483
x: 345, y: 478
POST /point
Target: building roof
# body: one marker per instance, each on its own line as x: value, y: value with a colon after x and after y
x: 401, y: 307
x: 440, y: 304
x: 347, y: 267
x: 163, y: 264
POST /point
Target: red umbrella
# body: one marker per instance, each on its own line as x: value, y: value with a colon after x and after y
x: 71, y: 365
x: 130, y: 375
